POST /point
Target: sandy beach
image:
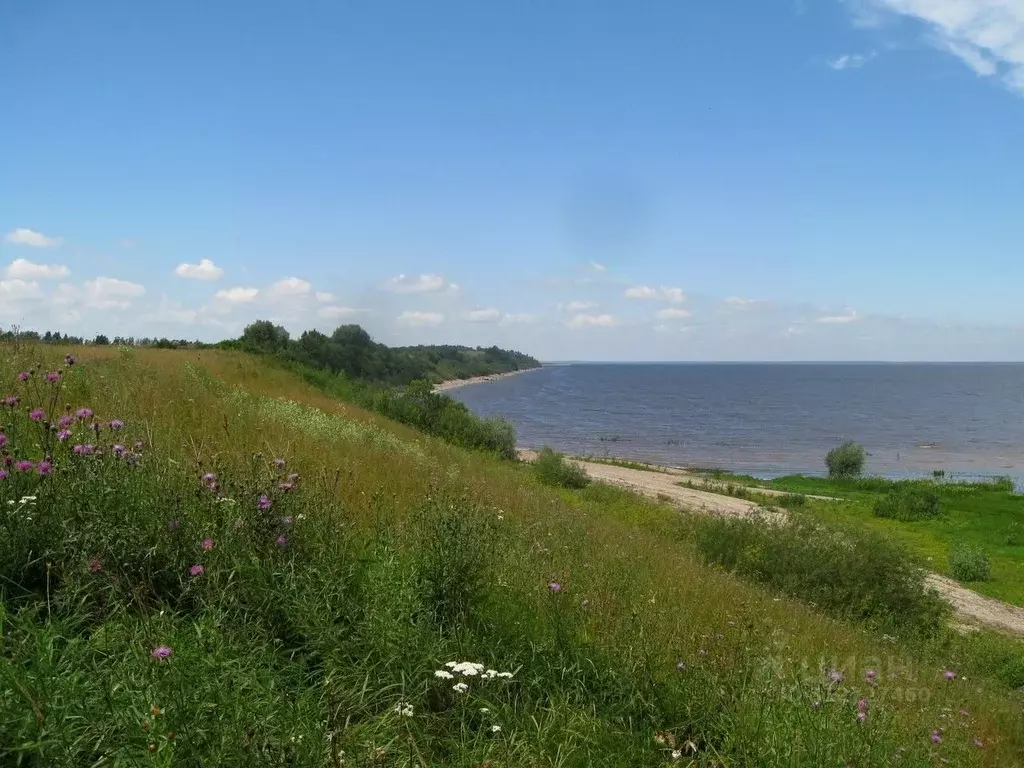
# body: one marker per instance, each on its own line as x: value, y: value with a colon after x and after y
x: 444, y: 386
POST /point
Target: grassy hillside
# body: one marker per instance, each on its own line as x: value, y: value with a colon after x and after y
x: 250, y: 572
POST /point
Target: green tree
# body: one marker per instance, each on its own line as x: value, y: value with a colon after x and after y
x: 846, y: 460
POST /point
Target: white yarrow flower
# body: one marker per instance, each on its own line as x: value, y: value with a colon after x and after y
x: 495, y: 728
x: 460, y: 687
x: 444, y: 674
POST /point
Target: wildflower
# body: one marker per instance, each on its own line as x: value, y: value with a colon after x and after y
x: 495, y: 728
x: 3, y: 439
x: 84, y: 450
x: 279, y: 463
x: 870, y: 676
x: 949, y: 674
x: 65, y: 421
x: 23, y: 466
x: 12, y: 400
x: 468, y: 668
x: 4, y: 474
x: 460, y: 687
x: 206, y: 545
x: 284, y: 487
x: 506, y: 675
x: 404, y: 708
x: 936, y: 737
x: 451, y: 664
x: 862, y: 705
x: 24, y: 376
x: 52, y: 377
x: 282, y: 541
x: 95, y: 566
x: 680, y: 666
x: 816, y: 705
x: 196, y: 570
x: 484, y: 710
x: 161, y: 652
x: 96, y: 426
x: 443, y: 674
x: 64, y: 434
x: 119, y: 450
x: 264, y: 503
x: 45, y: 468
x: 676, y: 754
x: 37, y: 415
x: 835, y: 676
x: 83, y: 413
x: 964, y: 713
x: 489, y: 674
x: 292, y: 477
x: 116, y: 424
x: 210, y: 481
x: 287, y: 519
x: 978, y: 742
x: 69, y: 360
x: 139, y: 445
x: 554, y: 586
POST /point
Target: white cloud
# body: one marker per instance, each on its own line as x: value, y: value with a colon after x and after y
x: 324, y: 296
x: 673, y: 313
x: 335, y: 313
x: 646, y: 292
x: 851, y: 61
x: 204, y: 270
x: 410, y: 317
x: 987, y: 35
x: 483, y: 315
x: 289, y: 287
x: 738, y: 301
x: 591, y: 321
x: 17, y: 290
x: 579, y: 306
x: 417, y: 284
x: 22, y: 236
x: 850, y: 317
x: 641, y: 292
x: 25, y: 269
x: 598, y: 267
x: 519, y: 317
x: 110, y: 293
x: 238, y: 295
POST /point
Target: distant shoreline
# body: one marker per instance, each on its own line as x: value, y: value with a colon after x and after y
x: 445, y: 386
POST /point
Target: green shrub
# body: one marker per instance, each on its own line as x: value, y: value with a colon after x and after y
x: 552, y: 469
x: 969, y: 563
x: 846, y: 460
x: 909, y: 503
x: 792, y: 501
x: 1014, y: 535
x: 851, y: 573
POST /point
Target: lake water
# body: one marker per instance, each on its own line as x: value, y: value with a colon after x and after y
x: 771, y: 419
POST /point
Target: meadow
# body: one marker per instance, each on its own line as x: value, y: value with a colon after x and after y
x: 207, y: 560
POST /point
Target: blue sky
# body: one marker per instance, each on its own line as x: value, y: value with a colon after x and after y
x: 819, y: 179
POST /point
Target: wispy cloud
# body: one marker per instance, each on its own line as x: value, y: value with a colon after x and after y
x: 205, y: 270
x: 987, y: 35
x: 238, y: 295
x: 664, y: 293
x: 673, y: 313
x: 22, y: 236
x: 28, y: 270
x: 483, y: 316
x: 598, y: 267
x: 579, y: 306
x: 519, y: 317
x: 851, y: 60
x: 591, y: 321
x: 851, y: 316
x: 428, y: 283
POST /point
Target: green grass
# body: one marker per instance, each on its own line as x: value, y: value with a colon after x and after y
x: 401, y: 553
x: 975, y: 514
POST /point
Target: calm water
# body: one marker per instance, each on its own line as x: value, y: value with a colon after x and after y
x: 770, y: 419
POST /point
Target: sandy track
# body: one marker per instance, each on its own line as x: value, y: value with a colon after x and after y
x: 970, y: 607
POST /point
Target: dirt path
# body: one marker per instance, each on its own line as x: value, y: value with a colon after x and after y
x: 970, y: 607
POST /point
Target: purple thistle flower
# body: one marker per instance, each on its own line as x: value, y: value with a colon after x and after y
x: 4, y: 474
x: 12, y: 400
x: 554, y: 586
x: 949, y: 674
x: 65, y: 421
x: 206, y: 545
x: 282, y: 541
x: 95, y: 565
x: 53, y: 377
x: 23, y: 466
x: 264, y: 503
x: 119, y: 450
x: 292, y: 477
x: 139, y: 445
x: 37, y: 415
x: 196, y: 570
x: 835, y: 676
x: 69, y: 360
x: 284, y: 487
x: 96, y: 426
x: 287, y: 519
x: 84, y: 450
x: 24, y: 376
x: 84, y: 413
x: 936, y: 737
x: 161, y: 652
x: 862, y: 705
x: 279, y: 463
x: 862, y: 717
x: 116, y: 424
x: 45, y: 468
x: 871, y: 675
x: 3, y: 439
x: 209, y: 479
x: 63, y: 435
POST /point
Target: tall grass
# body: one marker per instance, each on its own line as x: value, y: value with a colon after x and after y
x: 320, y: 629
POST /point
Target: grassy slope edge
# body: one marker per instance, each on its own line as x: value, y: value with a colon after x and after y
x: 315, y: 632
